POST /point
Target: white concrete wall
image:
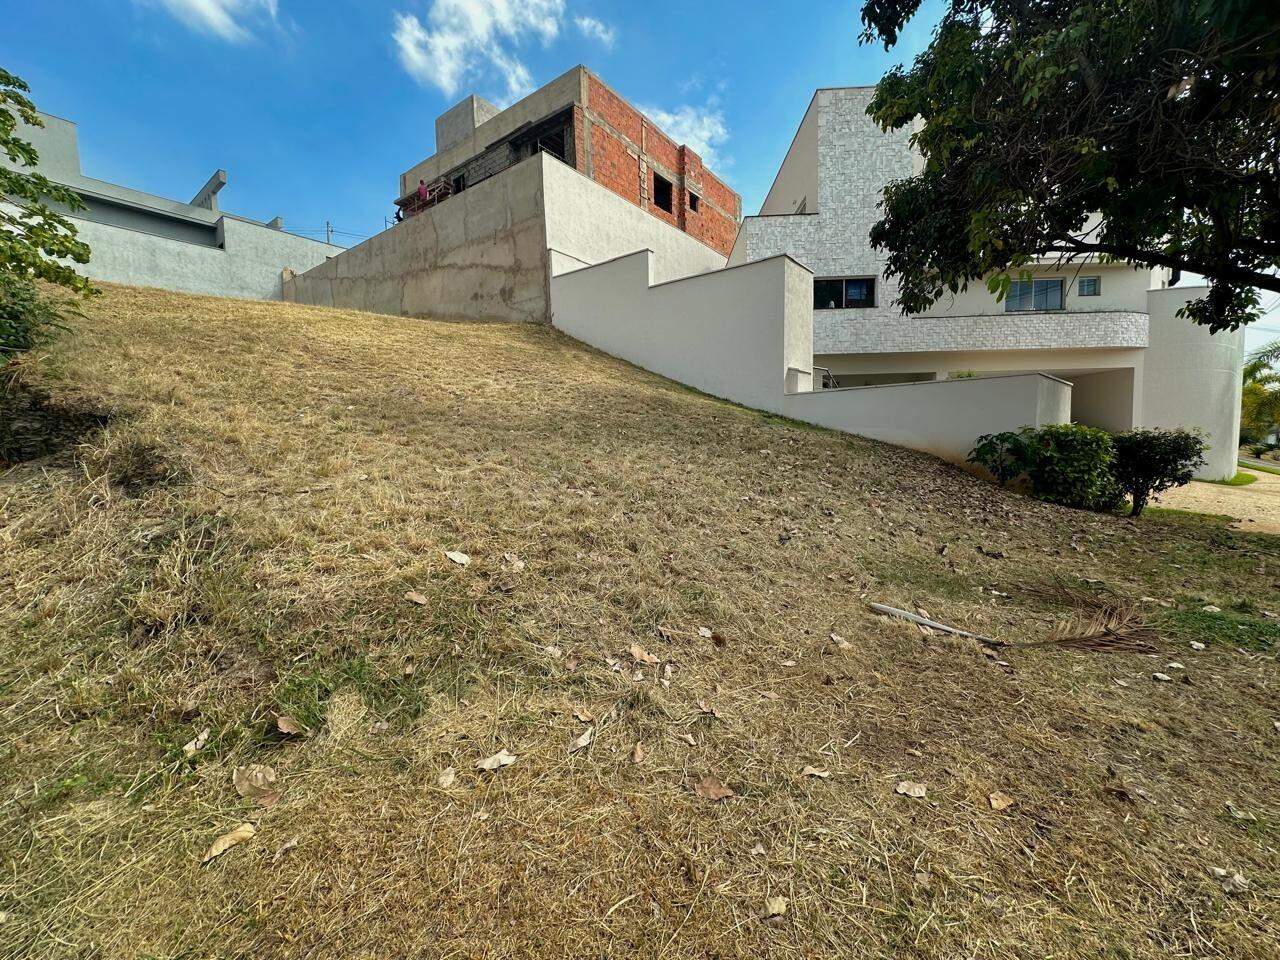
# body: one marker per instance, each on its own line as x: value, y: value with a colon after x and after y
x: 1192, y: 379
x: 745, y: 334
x: 249, y: 264
x: 941, y: 417
x: 720, y: 332
x: 590, y: 223
x: 1123, y: 288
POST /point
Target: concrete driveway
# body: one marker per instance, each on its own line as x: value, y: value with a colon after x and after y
x: 1255, y: 507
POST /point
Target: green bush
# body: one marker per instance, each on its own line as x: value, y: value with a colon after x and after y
x: 1067, y: 464
x: 1072, y: 467
x: 28, y: 318
x: 1151, y: 461
x: 1090, y: 469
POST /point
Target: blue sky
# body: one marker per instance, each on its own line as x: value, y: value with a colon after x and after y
x: 314, y: 107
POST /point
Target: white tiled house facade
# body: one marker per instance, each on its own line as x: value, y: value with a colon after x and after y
x: 1114, y: 335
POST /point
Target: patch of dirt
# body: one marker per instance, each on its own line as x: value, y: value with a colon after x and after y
x: 1256, y: 507
x: 33, y: 425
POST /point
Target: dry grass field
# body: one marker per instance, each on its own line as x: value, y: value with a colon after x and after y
x: 222, y: 506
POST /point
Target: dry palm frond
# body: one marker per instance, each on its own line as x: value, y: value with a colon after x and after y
x: 1118, y: 628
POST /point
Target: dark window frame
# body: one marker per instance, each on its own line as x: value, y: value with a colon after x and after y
x: 825, y: 288
x: 694, y: 202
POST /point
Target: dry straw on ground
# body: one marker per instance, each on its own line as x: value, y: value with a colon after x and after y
x: 233, y: 553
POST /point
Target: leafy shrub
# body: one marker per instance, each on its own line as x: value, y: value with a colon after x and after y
x: 1006, y: 455
x: 1151, y: 461
x: 1072, y: 467
x: 1067, y: 464
x: 28, y: 318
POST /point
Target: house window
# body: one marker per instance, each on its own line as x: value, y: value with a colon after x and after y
x: 1034, y: 295
x: 1090, y: 286
x: 860, y: 293
x: 839, y: 294
x: 694, y: 202
x: 662, y: 192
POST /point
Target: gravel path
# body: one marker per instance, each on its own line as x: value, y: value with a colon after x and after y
x: 1256, y: 507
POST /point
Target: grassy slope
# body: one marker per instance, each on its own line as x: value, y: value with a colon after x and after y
x: 314, y: 465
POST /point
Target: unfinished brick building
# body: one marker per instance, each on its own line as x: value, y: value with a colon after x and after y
x: 579, y: 120
x: 571, y: 175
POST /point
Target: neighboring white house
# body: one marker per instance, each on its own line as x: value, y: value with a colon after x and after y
x: 1109, y: 329
x: 144, y: 240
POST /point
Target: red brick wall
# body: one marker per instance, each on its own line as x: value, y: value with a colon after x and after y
x: 613, y: 110
x: 613, y: 166
x: 625, y: 145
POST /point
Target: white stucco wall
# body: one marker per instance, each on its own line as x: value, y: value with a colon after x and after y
x: 745, y: 334
x: 1192, y: 379
x: 248, y: 265
x: 941, y: 417
x: 1123, y: 288
x: 721, y: 332
x: 590, y: 223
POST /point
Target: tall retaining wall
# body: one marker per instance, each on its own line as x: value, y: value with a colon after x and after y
x: 479, y: 255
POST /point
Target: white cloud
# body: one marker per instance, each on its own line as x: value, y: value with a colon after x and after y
x: 462, y: 39
x: 597, y: 30
x: 702, y: 128
x: 231, y: 20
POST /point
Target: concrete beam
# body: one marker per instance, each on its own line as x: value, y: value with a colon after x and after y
x: 207, y: 196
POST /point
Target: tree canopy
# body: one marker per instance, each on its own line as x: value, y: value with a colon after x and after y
x: 1132, y: 130
x: 35, y: 241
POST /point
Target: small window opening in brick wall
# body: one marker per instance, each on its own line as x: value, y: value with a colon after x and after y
x: 694, y: 202
x: 662, y: 193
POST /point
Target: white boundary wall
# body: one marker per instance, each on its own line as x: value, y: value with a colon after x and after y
x: 746, y: 334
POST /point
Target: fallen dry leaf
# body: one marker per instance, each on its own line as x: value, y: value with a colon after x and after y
x: 1161, y: 677
x: 413, y: 596
x: 840, y: 642
x: 516, y: 563
x: 458, y: 557
x: 1232, y: 881
x: 709, y: 788
x: 758, y: 850
x: 447, y: 776
x: 229, y: 840
x: 288, y: 726
x: 256, y: 782
x: 768, y: 695
x: 1000, y: 801
x: 583, y: 715
x: 704, y: 633
x: 775, y: 907
x: 582, y: 742
x: 815, y: 772
x: 637, y: 753
x: 196, y: 743
x: 284, y: 850
x: 641, y: 655
x: 910, y: 789
x: 500, y: 759
x: 708, y: 709
x: 687, y: 738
